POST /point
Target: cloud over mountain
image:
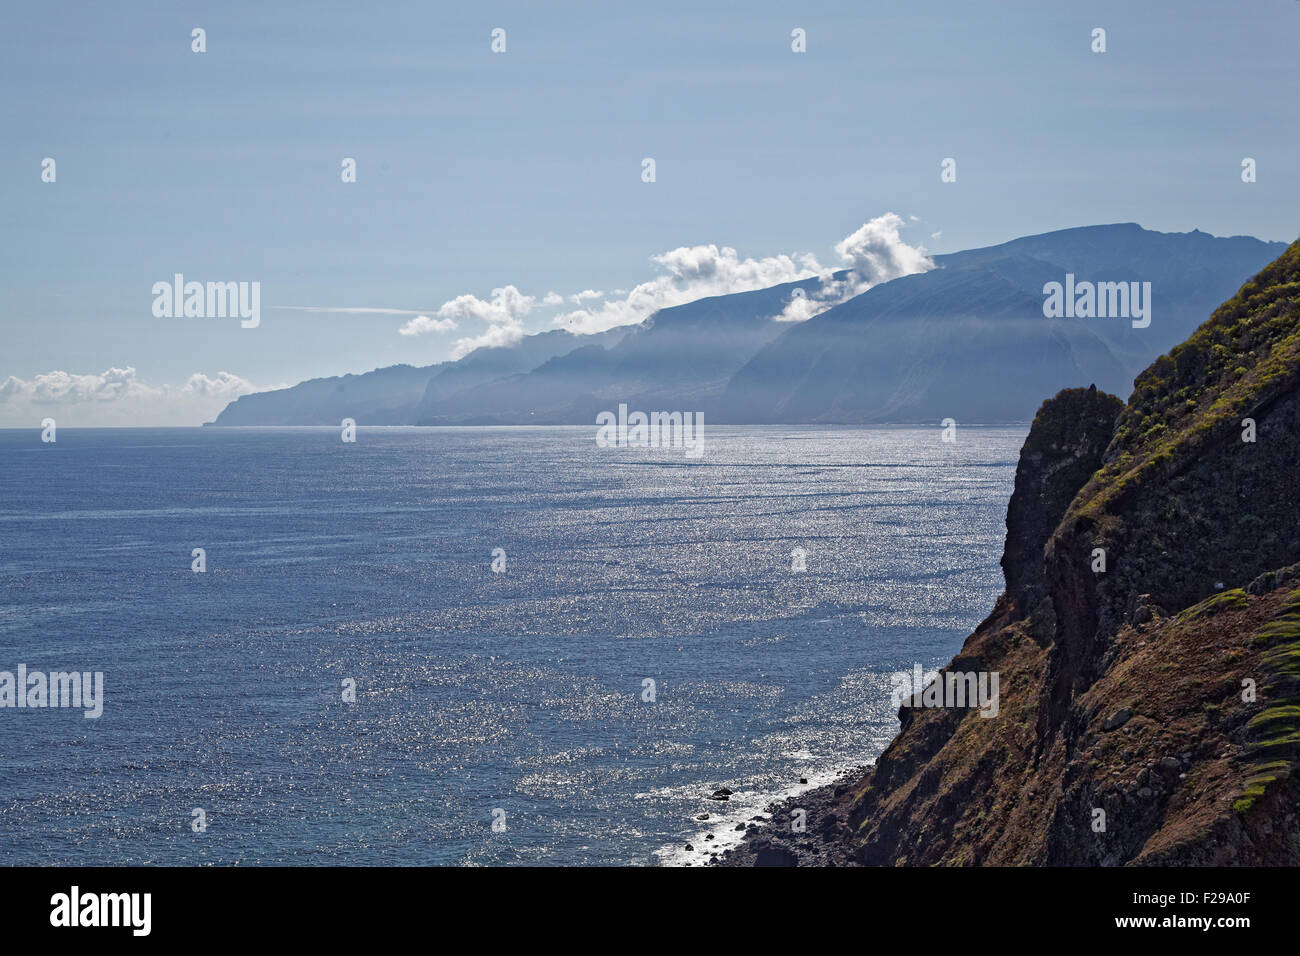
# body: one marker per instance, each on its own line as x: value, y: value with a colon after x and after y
x: 874, y: 253
x: 503, y: 312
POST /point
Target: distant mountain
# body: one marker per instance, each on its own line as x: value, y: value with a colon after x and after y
x: 385, y: 396
x: 966, y: 340
x: 393, y: 395
x: 969, y: 339
x: 679, y: 358
x: 493, y: 364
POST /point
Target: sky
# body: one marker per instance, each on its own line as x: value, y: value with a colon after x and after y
x: 503, y: 193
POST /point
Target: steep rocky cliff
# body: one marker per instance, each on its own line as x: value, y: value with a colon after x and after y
x: 1147, y: 644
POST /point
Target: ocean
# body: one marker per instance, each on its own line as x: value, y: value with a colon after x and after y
x: 646, y: 643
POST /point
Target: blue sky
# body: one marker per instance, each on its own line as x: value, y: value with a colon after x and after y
x: 478, y: 171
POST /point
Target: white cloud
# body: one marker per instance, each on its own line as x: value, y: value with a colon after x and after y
x: 503, y: 312
x: 506, y: 305
x: 801, y: 308
x: 877, y: 253
x: 872, y: 254
x: 691, y: 272
x: 422, y: 324
x: 116, y: 396
x: 225, y: 387
x: 495, y: 337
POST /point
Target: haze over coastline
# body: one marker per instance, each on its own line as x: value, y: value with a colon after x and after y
x: 496, y: 194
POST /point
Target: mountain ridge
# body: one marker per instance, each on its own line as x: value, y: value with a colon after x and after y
x: 968, y: 335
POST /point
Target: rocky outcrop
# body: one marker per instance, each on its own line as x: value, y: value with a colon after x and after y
x: 1063, y: 449
x: 1147, y: 644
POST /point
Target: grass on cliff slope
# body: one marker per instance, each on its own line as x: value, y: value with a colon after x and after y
x: 1247, y: 352
x: 1274, y: 733
x: 1213, y: 604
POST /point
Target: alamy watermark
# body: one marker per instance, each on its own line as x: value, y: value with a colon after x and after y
x: 918, y: 688
x: 655, y: 430
x: 37, y: 690
x: 211, y: 300
x: 75, y: 908
x: 1098, y: 300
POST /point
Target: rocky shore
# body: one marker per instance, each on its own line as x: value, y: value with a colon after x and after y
x: 779, y: 841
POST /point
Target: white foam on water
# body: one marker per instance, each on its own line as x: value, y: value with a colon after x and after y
x: 739, y: 808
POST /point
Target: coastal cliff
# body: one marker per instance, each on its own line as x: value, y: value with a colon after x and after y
x: 1147, y: 643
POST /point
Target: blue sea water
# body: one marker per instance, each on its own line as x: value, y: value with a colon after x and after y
x: 518, y: 692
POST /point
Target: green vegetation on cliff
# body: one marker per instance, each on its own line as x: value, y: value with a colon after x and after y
x: 1125, y: 683
x: 1246, y: 355
x: 1150, y: 701
x: 1275, y: 732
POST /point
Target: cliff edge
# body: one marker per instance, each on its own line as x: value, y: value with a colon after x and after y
x: 1147, y: 644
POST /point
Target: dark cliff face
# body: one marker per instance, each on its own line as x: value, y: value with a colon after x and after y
x: 1184, y: 505
x: 1063, y: 449
x: 1148, y: 643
